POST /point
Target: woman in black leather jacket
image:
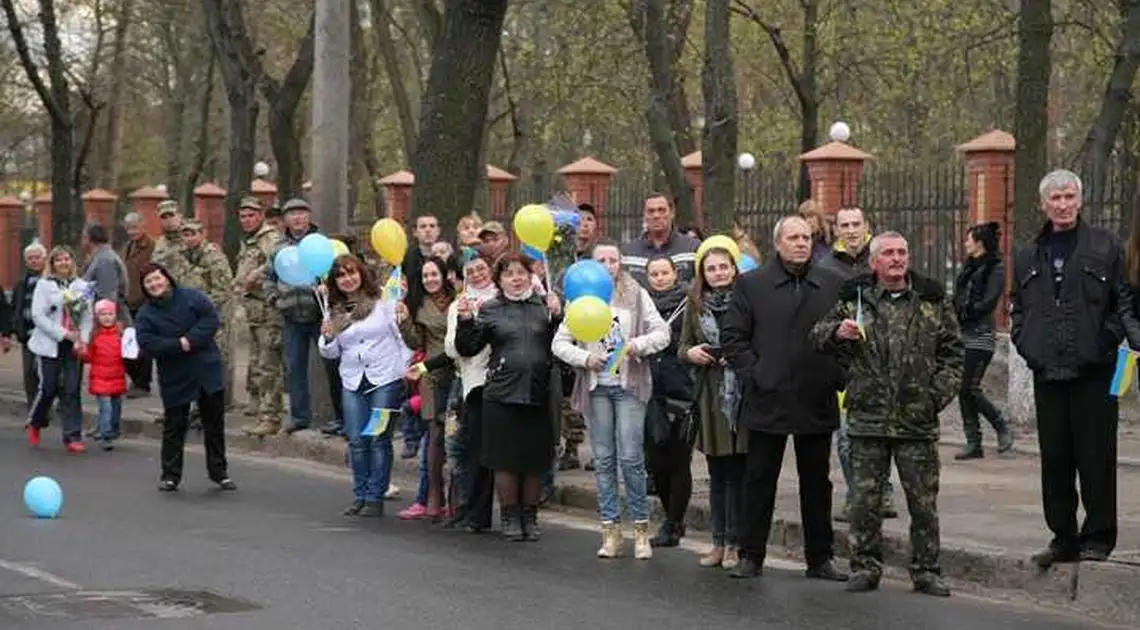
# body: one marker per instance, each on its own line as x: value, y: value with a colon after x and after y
x: 518, y: 432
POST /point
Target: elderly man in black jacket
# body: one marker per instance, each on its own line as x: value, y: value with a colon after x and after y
x: 788, y: 389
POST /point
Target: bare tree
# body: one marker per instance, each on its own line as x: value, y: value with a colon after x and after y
x: 1031, y: 113
x: 284, y: 98
x: 718, y: 83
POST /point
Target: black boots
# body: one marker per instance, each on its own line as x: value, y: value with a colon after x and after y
x: 973, y: 448
x: 512, y: 524
x: 530, y: 523
x: 668, y: 535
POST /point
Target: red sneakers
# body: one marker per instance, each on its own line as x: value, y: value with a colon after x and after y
x: 76, y: 448
x: 33, y: 434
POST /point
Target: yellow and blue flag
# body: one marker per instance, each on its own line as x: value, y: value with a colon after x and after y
x: 1125, y: 372
x: 379, y: 421
x: 392, y: 290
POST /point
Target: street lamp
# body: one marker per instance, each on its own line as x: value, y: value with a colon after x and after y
x: 25, y: 196
x: 260, y: 170
x: 746, y: 161
x: 840, y: 132
x: 161, y: 188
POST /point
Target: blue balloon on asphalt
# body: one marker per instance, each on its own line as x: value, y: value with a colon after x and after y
x: 290, y: 270
x: 317, y: 254
x: 43, y: 497
x: 747, y: 263
x: 588, y: 277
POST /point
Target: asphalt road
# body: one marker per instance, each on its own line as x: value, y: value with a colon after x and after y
x: 276, y: 555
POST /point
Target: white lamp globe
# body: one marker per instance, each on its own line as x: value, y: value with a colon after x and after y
x: 161, y: 187
x: 840, y: 132
x: 746, y: 161
x: 261, y: 169
x: 25, y: 196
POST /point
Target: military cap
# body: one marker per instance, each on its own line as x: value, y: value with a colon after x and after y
x: 167, y: 208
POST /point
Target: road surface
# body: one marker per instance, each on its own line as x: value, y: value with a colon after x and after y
x: 276, y: 555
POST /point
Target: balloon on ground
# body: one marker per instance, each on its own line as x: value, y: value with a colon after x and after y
x: 389, y: 240
x: 290, y: 270
x: 589, y: 319
x: 43, y: 497
x: 588, y: 277
x: 534, y: 225
x: 317, y: 254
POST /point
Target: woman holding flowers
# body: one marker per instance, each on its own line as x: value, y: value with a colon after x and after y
x: 61, y: 312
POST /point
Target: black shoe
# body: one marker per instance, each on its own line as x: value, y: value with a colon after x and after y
x: 168, y: 485
x: 107, y: 445
x: 863, y: 582
x: 970, y: 451
x: 332, y: 429
x: 668, y: 535
x: 511, y: 518
x: 226, y: 483
x: 371, y: 510
x: 931, y: 584
x: 1005, y: 438
x: 476, y: 528
x: 1051, y: 555
x: 1094, y: 555
x: 459, y: 518
x: 354, y: 509
x: 569, y: 461
x: 826, y: 571
x: 747, y: 568
x: 531, y: 530
x: 294, y: 428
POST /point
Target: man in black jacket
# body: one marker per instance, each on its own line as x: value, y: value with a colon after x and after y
x: 1070, y: 312
x: 35, y: 257
x: 787, y: 388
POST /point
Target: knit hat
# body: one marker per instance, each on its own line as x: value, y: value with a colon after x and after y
x: 106, y: 305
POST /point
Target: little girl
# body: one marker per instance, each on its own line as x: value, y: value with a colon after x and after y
x: 108, y: 372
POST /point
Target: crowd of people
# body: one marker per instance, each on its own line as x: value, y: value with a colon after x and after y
x: 466, y: 352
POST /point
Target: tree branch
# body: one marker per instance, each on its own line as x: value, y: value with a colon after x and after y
x: 782, y: 51
x: 29, y: 64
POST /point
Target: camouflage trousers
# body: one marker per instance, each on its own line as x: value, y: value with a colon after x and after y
x: 573, y: 427
x: 265, y: 379
x: 919, y: 469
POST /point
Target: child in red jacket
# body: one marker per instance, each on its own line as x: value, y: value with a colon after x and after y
x: 108, y: 372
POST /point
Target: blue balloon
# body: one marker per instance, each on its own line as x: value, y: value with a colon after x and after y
x: 747, y: 263
x: 588, y: 277
x: 532, y: 252
x: 43, y: 497
x: 290, y: 269
x: 317, y: 254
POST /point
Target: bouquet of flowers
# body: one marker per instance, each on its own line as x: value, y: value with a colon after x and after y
x: 76, y: 302
x: 563, y: 251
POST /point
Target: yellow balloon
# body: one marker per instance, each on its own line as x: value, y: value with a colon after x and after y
x: 534, y: 225
x: 389, y: 240
x: 720, y: 241
x: 339, y: 247
x: 589, y: 318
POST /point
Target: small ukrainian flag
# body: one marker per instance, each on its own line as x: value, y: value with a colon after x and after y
x: 1125, y: 372
x: 379, y: 421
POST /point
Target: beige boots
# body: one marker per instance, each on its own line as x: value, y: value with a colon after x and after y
x: 725, y: 557
x: 612, y: 541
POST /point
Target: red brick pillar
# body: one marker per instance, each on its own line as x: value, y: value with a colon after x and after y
x: 265, y: 191
x: 695, y: 173
x: 11, y: 220
x: 398, y: 194
x: 43, y: 210
x: 209, y: 209
x: 498, y: 189
x: 835, y: 170
x: 588, y: 181
x: 145, y: 202
x: 99, y: 207
x: 989, y: 182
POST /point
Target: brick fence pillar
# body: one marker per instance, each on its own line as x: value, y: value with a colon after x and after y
x: 835, y: 170
x: 588, y: 181
x: 398, y: 194
x: 11, y: 224
x: 265, y: 191
x: 145, y: 202
x: 43, y: 210
x: 693, y: 164
x: 498, y: 189
x: 989, y: 182
x: 209, y: 209
x: 99, y: 207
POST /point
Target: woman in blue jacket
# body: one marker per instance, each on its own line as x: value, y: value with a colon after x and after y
x: 176, y: 326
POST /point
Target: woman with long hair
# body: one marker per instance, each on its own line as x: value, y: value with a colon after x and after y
x: 821, y: 229
x: 716, y: 393
x: 61, y: 311
x: 362, y: 332
x: 423, y: 324
x: 612, y: 386
x: 518, y: 431
x: 977, y: 291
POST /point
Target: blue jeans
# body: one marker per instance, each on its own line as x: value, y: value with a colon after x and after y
x: 370, y: 457
x: 726, y: 497
x: 412, y: 427
x: 843, y: 449
x: 300, y: 339
x: 110, y: 411
x: 422, y: 487
x: 617, y: 438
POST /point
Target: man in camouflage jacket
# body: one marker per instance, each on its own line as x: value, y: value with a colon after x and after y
x: 171, y: 239
x: 266, y: 380
x: 897, y: 334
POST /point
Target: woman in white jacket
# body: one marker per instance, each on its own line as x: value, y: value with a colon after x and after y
x: 477, y: 482
x: 61, y: 312
x: 611, y: 389
x: 362, y: 331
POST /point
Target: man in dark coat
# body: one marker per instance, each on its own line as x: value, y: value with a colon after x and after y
x: 787, y: 388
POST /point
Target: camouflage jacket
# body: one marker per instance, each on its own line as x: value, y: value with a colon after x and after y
x: 205, y: 269
x: 253, y: 261
x: 909, y: 365
x: 166, y: 244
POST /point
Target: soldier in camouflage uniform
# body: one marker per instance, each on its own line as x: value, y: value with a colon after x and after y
x: 897, y: 332
x: 171, y: 239
x: 266, y: 382
x: 202, y: 265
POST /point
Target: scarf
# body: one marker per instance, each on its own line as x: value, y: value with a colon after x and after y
x: 357, y: 309
x: 669, y: 300
x: 714, y: 304
x: 441, y: 301
x: 479, y: 296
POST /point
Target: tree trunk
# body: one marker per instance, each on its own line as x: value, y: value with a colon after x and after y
x: 386, y: 46
x: 454, y: 115
x: 809, y: 89
x: 718, y: 150
x: 202, y: 144
x: 112, y: 142
x: 332, y: 89
x: 1031, y: 113
x: 284, y: 99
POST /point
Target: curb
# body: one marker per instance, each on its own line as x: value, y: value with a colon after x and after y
x: 1031, y: 451
x: 1106, y: 591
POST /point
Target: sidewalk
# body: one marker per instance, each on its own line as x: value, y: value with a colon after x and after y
x: 990, y: 510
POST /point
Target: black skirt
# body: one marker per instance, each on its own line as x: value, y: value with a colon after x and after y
x: 517, y: 438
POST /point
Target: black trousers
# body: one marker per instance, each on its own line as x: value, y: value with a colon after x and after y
x: 972, y: 400
x: 31, y: 374
x: 481, y: 480
x: 1076, y: 432
x: 761, y: 478
x: 141, y: 369
x: 671, y: 467
x: 212, y: 408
